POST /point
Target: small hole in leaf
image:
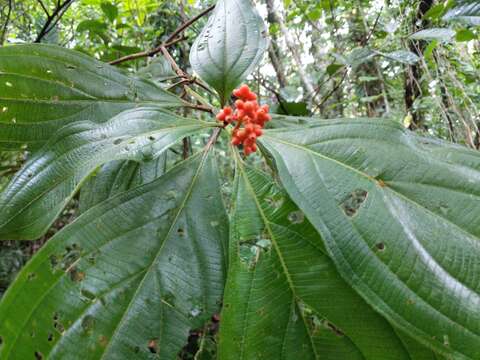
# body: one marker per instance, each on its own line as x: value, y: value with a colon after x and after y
x: 88, y: 323
x: 117, y: 141
x: 103, y: 340
x: 296, y: 217
x: 38, y: 355
x: 380, y: 246
x: 181, y: 232
x: 31, y: 276
x: 153, y: 346
x: 50, y: 337
x: 151, y: 138
x: 351, y: 204
x: 1, y: 341
x: 76, y: 275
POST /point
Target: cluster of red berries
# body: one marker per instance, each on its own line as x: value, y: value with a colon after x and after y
x: 249, y: 114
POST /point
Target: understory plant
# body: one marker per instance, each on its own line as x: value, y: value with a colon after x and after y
x: 337, y: 239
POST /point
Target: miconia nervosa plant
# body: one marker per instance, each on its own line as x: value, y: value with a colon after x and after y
x: 338, y: 239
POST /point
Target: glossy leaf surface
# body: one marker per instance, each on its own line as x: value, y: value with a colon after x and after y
x: 43, y: 87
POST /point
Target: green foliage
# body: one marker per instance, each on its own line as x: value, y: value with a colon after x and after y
x: 388, y: 222
x: 230, y: 46
x: 348, y: 238
x: 45, y: 87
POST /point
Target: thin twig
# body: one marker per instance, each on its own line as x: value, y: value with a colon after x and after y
x: 53, y: 19
x: 7, y: 20
x: 170, y: 41
x: 43, y: 7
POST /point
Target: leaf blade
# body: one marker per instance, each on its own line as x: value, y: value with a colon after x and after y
x: 42, y: 188
x: 44, y: 87
x: 230, y: 46
x: 167, y: 274
x: 372, y: 262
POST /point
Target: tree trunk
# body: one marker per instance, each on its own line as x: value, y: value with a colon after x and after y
x: 413, y: 74
x: 274, y: 51
x: 296, y: 53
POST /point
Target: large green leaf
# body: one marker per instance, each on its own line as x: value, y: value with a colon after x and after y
x: 399, y: 216
x: 119, y: 176
x: 43, y: 87
x: 283, y: 298
x: 439, y: 34
x: 129, y: 278
x: 42, y: 188
x: 464, y: 10
x: 230, y: 46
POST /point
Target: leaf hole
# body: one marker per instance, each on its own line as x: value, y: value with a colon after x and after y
x: 117, y: 141
x: 38, y: 355
x: 153, y: 346
x: 380, y: 246
x: 31, y: 276
x: 1, y: 341
x: 296, y: 217
x: 352, y: 203
x: 50, y: 337
x: 181, y: 232
x: 151, y: 138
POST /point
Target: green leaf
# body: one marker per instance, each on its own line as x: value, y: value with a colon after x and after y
x: 230, y: 46
x: 110, y: 11
x: 439, y: 34
x: 118, y: 176
x: 465, y: 35
x: 43, y: 187
x: 359, y: 56
x: 92, y: 25
x: 129, y: 278
x: 398, y: 215
x: 402, y: 56
x: 43, y: 87
x: 283, y: 297
x: 333, y: 68
x: 435, y: 12
x: 464, y: 10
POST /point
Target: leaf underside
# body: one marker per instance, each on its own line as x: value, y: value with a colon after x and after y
x: 283, y: 297
x: 398, y: 215
x: 230, y: 46
x: 129, y: 278
x: 43, y: 187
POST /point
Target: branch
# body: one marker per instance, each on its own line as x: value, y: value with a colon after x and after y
x: 172, y: 39
x: 43, y: 7
x: 53, y: 19
x: 7, y: 20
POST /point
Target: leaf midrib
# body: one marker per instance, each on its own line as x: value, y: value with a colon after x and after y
x: 159, y: 252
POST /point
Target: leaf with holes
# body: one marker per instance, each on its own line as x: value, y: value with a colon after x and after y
x: 282, y: 283
x: 230, y: 46
x: 43, y: 187
x: 43, y: 87
x: 398, y: 215
x: 131, y: 277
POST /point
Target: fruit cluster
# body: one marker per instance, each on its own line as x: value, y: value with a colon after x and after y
x: 250, y: 114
